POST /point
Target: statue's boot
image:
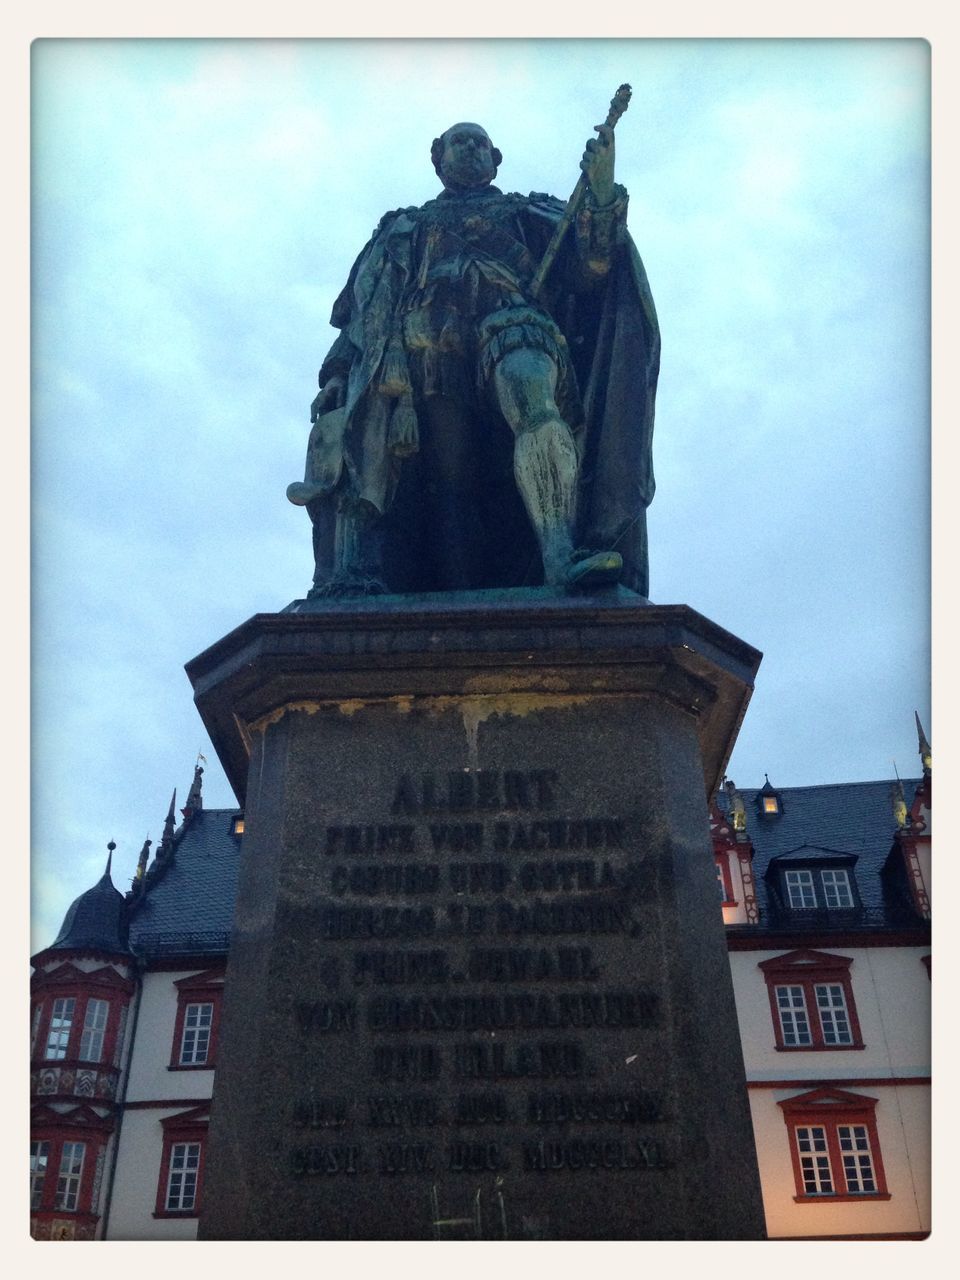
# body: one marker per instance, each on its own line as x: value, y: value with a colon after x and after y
x: 356, y: 560
x: 591, y: 569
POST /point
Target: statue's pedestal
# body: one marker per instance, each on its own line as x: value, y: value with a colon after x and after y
x: 478, y: 983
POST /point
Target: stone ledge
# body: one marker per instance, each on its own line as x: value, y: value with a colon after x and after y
x: 472, y: 644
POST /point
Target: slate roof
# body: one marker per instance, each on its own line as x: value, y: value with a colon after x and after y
x: 824, y: 823
x: 189, y: 907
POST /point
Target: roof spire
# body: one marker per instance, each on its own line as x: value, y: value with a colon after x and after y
x: 110, y: 847
x: 169, y: 820
x: 923, y: 746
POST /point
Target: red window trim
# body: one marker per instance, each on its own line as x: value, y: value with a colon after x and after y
x: 64, y: 981
x: 199, y: 988
x: 806, y: 968
x: 723, y: 864
x: 82, y: 997
x: 831, y: 1108
x: 186, y: 1126
x: 87, y: 1127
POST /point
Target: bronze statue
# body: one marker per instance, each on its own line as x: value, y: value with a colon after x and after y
x: 480, y: 424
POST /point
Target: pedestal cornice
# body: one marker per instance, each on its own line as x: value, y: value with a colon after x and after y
x: 473, y: 645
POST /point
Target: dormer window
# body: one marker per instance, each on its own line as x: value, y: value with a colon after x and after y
x: 811, y: 880
x: 828, y: 888
x: 237, y: 827
x: 769, y: 801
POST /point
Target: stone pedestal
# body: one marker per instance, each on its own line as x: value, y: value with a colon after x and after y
x: 478, y: 984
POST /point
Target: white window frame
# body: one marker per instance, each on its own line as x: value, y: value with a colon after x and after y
x: 815, y: 1168
x: 183, y: 1177
x: 197, y: 1031
x: 72, y: 1157
x: 859, y: 1173
x: 833, y: 1013
x: 61, y: 1024
x: 39, y: 1159
x: 94, y: 1030
x: 794, y: 1015
x: 837, y: 893
x: 799, y: 882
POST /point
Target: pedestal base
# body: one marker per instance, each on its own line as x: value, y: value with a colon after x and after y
x: 478, y: 985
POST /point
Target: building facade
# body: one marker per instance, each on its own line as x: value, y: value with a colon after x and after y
x: 825, y: 893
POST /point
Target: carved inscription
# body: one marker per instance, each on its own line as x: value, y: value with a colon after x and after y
x: 459, y: 954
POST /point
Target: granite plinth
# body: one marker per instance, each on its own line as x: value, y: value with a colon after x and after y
x: 478, y: 984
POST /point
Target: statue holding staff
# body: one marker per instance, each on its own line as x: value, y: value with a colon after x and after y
x: 485, y: 414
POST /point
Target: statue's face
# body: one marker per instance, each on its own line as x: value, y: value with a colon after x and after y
x: 467, y: 158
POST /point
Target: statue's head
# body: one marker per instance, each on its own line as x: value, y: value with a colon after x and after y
x: 464, y: 157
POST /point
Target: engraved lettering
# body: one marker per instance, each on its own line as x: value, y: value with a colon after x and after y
x: 457, y: 837
x: 327, y: 1015
x: 478, y: 877
x: 521, y: 1010
x: 338, y: 923
x: 465, y: 918
x: 592, y: 915
x: 559, y: 834
x: 382, y: 968
x: 402, y: 878
x: 475, y: 1157
x: 593, y: 1153
x: 593, y: 1108
x: 405, y: 1109
x: 464, y: 790
x: 402, y: 1157
x: 481, y: 1108
x: 405, y: 797
x: 370, y: 840
x: 403, y: 1063
x: 320, y: 1113
x: 326, y: 1160
x: 515, y: 964
x: 507, y: 1061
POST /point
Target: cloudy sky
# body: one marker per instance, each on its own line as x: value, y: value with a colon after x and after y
x: 196, y: 208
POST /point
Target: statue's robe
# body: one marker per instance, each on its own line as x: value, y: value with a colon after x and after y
x: 415, y: 320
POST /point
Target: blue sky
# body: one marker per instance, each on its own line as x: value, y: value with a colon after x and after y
x: 196, y: 208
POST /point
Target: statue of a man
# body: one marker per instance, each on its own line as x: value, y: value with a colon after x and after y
x: 467, y: 434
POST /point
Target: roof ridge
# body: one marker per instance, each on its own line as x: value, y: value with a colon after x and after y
x: 835, y: 786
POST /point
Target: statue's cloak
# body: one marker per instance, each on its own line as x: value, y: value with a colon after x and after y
x: 613, y: 341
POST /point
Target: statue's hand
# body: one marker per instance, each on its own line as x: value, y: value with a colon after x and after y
x: 330, y: 396
x: 597, y: 164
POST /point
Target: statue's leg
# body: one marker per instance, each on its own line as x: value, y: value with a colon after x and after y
x: 545, y: 462
x: 355, y: 567
x: 448, y: 453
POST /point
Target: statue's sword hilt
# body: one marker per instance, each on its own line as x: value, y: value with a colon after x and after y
x: 618, y: 105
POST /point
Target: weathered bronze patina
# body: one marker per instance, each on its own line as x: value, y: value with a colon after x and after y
x: 481, y: 423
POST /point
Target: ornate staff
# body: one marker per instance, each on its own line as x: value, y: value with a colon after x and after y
x: 618, y: 105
